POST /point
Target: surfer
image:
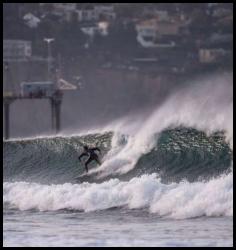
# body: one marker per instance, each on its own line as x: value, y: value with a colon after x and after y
x: 92, y: 156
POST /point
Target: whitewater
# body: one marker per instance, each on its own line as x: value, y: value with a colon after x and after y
x: 166, y: 177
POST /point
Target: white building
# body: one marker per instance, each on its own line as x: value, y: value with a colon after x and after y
x: 221, y: 12
x: 63, y: 10
x: 106, y: 11
x: 103, y: 28
x: 31, y: 20
x: 149, y: 30
x: 90, y: 30
x: 65, y: 6
x: 161, y: 15
x: 97, y: 28
x: 61, y: 7
x: 87, y: 15
x: 96, y: 12
x: 16, y: 49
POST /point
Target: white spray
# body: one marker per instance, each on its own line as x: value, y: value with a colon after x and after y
x: 176, y: 200
x: 206, y: 105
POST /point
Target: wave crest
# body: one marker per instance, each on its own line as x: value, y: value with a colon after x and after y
x: 176, y: 200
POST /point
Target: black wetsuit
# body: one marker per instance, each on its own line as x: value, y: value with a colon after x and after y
x: 92, y: 156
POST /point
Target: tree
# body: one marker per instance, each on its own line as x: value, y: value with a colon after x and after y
x: 122, y: 38
x: 70, y: 38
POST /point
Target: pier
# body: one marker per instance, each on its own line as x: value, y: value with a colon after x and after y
x: 55, y: 102
x: 51, y: 91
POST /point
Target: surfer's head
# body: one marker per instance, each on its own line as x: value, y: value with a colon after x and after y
x: 85, y: 147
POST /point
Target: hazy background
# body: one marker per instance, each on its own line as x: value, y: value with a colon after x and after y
x: 144, y: 53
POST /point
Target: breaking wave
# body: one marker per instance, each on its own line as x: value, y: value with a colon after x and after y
x: 176, y: 200
x: 175, y: 161
x: 180, y: 153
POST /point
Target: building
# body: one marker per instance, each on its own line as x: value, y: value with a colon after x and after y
x: 16, y: 50
x: 96, y: 13
x: 31, y: 20
x: 93, y: 28
x: 60, y: 7
x: 65, y: 11
x: 105, y: 12
x: 146, y: 32
x: 103, y: 28
x: 82, y: 13
x: 90, y: 29
x: 65, y: 6
x: 208, y: 56
x: 152, y: 30
x: 220, y: 12
x: 161, y: 15
x: 37, y: 89
x: 86, y: 15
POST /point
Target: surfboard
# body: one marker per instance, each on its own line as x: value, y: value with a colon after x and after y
x: 82, y: 175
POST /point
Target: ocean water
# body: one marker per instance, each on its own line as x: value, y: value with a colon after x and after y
x: 115, y: 227
x: 166, y: 179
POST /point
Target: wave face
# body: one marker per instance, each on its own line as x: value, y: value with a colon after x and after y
x: 48, y: 160
x: 185, y: 153
x: 180, y: 153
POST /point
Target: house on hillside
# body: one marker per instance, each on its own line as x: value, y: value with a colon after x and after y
x: 105, y: 12
x: 16, y: 50
x: 152, y: 30
x: 31, y: 20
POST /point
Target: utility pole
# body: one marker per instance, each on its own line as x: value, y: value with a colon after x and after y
x: 48, y: 41
x: 56, y: 101
x: 6, y: 103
